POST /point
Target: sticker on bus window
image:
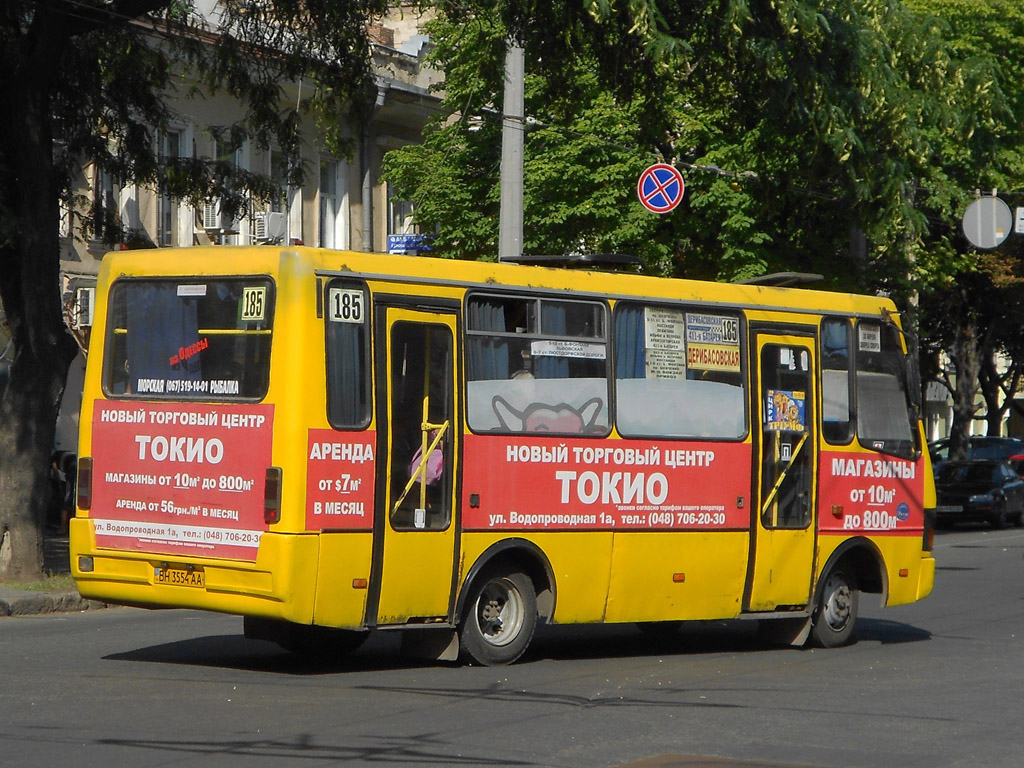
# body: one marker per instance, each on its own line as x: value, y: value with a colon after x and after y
x: 712, y: 329
x: 785, y: 411
x: 575, y: 349
x: 346, y: 305
x: 869, y: 338
x: 712, y: 342
x: 254, y: 303
x: 192, y: 290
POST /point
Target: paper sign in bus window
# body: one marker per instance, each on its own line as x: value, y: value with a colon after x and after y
x: 869, y: 338
x: 785, y: 411
x: 664, y: 343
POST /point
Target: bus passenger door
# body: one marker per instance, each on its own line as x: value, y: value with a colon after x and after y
x: 782, y: 556
x: 415, y: 533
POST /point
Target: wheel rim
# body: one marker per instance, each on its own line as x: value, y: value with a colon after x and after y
x: 500, y: 612
x: 838, y: 602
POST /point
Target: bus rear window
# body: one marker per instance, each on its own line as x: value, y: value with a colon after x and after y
x: 189, y: 339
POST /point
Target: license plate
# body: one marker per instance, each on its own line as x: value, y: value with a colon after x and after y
x: 180, y: 577
x: 949, y: 509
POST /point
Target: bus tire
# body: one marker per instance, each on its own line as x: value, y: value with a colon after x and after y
x: 500, y: 618
x: 836, y: 612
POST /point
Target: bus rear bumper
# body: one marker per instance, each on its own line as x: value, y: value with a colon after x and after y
x: 129, y: 577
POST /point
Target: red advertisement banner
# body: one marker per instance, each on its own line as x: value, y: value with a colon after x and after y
x: 870, y: 493
x: 519, y: 482
x: 339, y: 480
x: 180, y: 479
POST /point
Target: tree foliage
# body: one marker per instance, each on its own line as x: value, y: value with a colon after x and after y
x: 971, y: 304
x: 91, y: 82
x: 826, y: 137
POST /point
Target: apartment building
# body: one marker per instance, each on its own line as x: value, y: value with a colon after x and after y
x: 342, y: 203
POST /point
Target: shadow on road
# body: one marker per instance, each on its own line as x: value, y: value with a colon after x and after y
x: 382, y: 650
x: 422, y: 749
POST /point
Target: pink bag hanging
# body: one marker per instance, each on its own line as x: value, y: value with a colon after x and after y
x: 435, y: 462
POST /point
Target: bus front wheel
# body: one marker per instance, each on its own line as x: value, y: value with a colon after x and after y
x: 836, y: 612
x: 500, y: 619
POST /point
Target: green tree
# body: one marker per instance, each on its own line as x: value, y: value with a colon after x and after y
x: 803, y: 127
x: 87, y: 81
x: 981, y: 290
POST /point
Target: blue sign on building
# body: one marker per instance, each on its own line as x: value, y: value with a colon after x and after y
x: 408, y: 245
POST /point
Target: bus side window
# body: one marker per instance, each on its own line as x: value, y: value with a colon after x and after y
x: 835, y: 380
x: 536, y: 365
x: 348, y: 355
x: 678, y: 372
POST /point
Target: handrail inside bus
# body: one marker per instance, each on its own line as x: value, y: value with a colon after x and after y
x: 419, y: 475
x: 782, y: 476
x: 217, y: 331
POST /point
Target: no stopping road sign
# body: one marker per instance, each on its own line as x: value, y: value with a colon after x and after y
x: 660, y: 188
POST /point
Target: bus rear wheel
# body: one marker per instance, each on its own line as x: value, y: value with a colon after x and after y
x: 836, y: 612
x: 500, y: 618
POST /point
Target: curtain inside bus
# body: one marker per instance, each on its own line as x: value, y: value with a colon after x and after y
x: 629, y: 344
x: 160, y: 323
x: 488, y: 357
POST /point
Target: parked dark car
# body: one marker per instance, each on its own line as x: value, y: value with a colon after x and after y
x: 979, y: 490
x: 981, y: 447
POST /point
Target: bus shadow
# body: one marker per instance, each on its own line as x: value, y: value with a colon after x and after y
x: 382, y: 651
x: 889, y: 632
x: 238, y: 653
x: 693, y: 639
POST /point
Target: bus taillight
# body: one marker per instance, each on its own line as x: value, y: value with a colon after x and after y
x: 84, y: 492
x: 272, y: 496
x: 929, y: 530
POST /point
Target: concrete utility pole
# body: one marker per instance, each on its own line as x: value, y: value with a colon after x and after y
x: 510, y: 223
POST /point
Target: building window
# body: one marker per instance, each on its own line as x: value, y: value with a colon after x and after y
x: 105, y: 224
x: 169, y: 149
x: 331, y: 231
x: 269, y: 220
x: 217, y: 223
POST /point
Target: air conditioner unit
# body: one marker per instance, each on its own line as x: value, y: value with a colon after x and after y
x: 269, y: 226
x: 259, y: 226
x: 85, y: 300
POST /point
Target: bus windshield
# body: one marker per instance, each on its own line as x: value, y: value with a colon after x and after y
x: 884, y: 414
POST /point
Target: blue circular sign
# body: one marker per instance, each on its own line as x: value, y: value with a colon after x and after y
x: 660, y: 188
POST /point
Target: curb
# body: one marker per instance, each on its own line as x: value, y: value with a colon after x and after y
x: 36, y: 603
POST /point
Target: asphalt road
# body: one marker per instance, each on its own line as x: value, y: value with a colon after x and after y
x: 938, y: 683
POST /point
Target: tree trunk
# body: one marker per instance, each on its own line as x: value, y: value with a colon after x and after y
x: 29, y: 289
x: 964, y: 354
x: 989, y: 385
